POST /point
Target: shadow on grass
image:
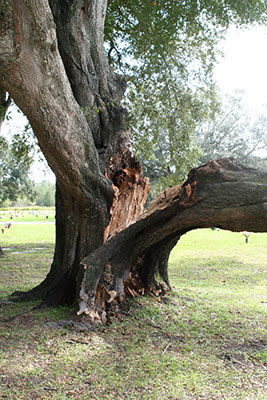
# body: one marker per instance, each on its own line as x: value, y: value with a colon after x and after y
x: 205, y: 341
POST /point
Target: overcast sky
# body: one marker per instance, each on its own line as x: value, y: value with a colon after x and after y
x: 244, y: 65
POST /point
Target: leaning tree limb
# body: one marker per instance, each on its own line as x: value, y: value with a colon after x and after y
x: 220, y: 193
x: 53, y: 64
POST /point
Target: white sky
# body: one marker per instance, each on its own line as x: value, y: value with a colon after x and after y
x: 243, y: 67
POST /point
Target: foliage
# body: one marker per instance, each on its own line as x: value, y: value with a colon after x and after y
x: 163, y: 131
x: 168, y: 50
x: 234, y: 132
x: 16, y: 159
x: 147, y: 30
x: 45, y: 194
x: 20, y: 190
x: 206, y: 340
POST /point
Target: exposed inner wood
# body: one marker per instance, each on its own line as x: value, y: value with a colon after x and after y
x: 131, y: 190
x: 220, y: 193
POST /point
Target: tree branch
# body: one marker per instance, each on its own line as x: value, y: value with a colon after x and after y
x: 220, y: 193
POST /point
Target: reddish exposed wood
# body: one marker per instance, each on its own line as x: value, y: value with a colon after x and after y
x: 130, y: 186
x: 128, y: 204
x: 133, y: 286
x: 220, y: 193
x: 185, y: 194
x: 131, y: 191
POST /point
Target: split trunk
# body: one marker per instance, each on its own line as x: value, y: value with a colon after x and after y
x: 53, y: 64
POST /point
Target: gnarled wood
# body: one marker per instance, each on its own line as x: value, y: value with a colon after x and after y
x: 53, y: 64
x: 130, y: 186
x: 220, y: 193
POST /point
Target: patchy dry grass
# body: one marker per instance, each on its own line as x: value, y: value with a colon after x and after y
x: 205, y: 341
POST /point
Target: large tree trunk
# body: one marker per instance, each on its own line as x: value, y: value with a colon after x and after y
x: 56, y: 71
x: 79, y: 230
x: 52, y: 63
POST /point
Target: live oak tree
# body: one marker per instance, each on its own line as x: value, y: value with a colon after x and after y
x: 53, y: 64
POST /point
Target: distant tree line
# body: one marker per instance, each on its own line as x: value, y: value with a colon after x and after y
x: 40, y: 194
x: 45, y: 193
x: 17, y: 154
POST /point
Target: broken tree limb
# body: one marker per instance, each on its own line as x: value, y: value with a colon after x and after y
x: 130, y: 187
x: 220, y: 193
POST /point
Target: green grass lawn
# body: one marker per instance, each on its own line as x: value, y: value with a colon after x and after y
x: 207, y: 340
x: 41, y: 214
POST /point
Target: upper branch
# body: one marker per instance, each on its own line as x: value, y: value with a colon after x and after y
x: 97, y: 89
x: 31, y: 70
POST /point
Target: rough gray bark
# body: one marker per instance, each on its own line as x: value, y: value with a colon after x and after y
x: 33, y: 73
x: 221, y: 193
x: 52, y: 63
x: 80, y: 27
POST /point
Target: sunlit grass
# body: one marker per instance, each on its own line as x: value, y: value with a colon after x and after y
x: 28, y: 235
x: 40, y: 214
x: 207, y: 340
